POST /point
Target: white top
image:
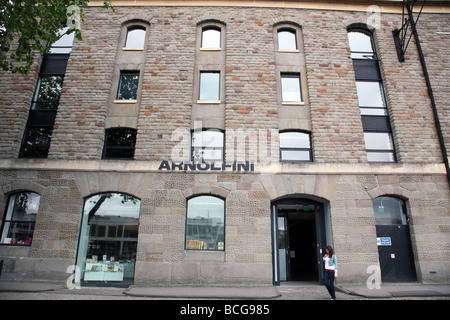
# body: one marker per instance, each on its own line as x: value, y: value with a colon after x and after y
x: 327, y: 266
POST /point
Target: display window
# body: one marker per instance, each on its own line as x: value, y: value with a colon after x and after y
x: 20, y: 219
x: 108, y: 239
x: 205, y: 224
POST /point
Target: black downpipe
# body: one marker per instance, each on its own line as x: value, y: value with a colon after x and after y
x: 430, y: 91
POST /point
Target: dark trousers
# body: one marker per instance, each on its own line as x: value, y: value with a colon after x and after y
x: 329, y: 283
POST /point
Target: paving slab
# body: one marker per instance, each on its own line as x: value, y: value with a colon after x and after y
x: 204, y: 292
x: 29, y: 286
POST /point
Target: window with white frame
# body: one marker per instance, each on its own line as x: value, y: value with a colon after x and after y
x: 295, y: 146
x: 209, y: 87
x: 290, y: 87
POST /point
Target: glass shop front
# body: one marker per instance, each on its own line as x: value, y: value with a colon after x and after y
x: 108, y: 240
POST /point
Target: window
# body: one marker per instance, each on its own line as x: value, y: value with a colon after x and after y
x: 36, y: 142
x: 20, y: 218
x: 370, y: 97
x: 290, y: 87
x: 38, y: 132
x: 135, y: 37
x: 48, y: 92
x: 108, y: 238
x: 205, y: 223
x: 361, y: 45
x: 209, y: 86
x: 295, y: 146
x: 207, y: 145
x: 287, y: 39
x: 119, y: 143
x: 389, y: 211
x: 64, y: 44
x: 128, y: 85
x: 372, y: 104
x: 210, y: 38
x: 379, y: 147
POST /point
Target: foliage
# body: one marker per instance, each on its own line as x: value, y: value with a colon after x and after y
x: 28, y: 27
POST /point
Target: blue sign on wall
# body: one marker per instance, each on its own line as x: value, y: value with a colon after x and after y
x: 384, y: 241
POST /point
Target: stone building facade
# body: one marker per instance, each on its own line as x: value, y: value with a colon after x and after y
x: 331, y: 198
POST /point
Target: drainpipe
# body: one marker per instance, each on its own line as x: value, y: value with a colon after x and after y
x: 430, y: 91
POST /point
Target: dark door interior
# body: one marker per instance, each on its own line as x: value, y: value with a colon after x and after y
x: 303, y: 244
x: 301, y: 235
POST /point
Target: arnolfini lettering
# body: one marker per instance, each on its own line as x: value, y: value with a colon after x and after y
x: 205, y: 166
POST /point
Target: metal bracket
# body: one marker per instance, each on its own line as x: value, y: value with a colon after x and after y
x: 403, y: 36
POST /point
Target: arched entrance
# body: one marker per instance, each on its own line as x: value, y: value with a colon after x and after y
x: 300, y: 229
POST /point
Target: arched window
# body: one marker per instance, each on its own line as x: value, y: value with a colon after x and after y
x: 135, y: 37
x: 361, y: 45
x: 295, y: 146
x: 205, y: 223
x: 287, y: 39
x: 378, y: 137
x: 108, y: 238
x: 20, y: 218
x: 211, y: 37
x: 389, y: 211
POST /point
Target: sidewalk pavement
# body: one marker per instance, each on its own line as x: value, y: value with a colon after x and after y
x: 287, y: 291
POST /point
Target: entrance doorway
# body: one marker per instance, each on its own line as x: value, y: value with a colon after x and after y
x: 394, y: 240
x: 299, y: 234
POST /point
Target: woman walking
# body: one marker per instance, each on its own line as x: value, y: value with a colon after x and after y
x: 330, y: 270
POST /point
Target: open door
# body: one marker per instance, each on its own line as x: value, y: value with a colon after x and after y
x: 299, y: 236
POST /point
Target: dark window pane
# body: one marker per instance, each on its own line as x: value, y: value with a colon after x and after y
x: 36, y: 142
x: 112, y: 153
x: 120, y: 143
x: 121, y: 137
x: 48, y: 93
x: 128, y: 85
